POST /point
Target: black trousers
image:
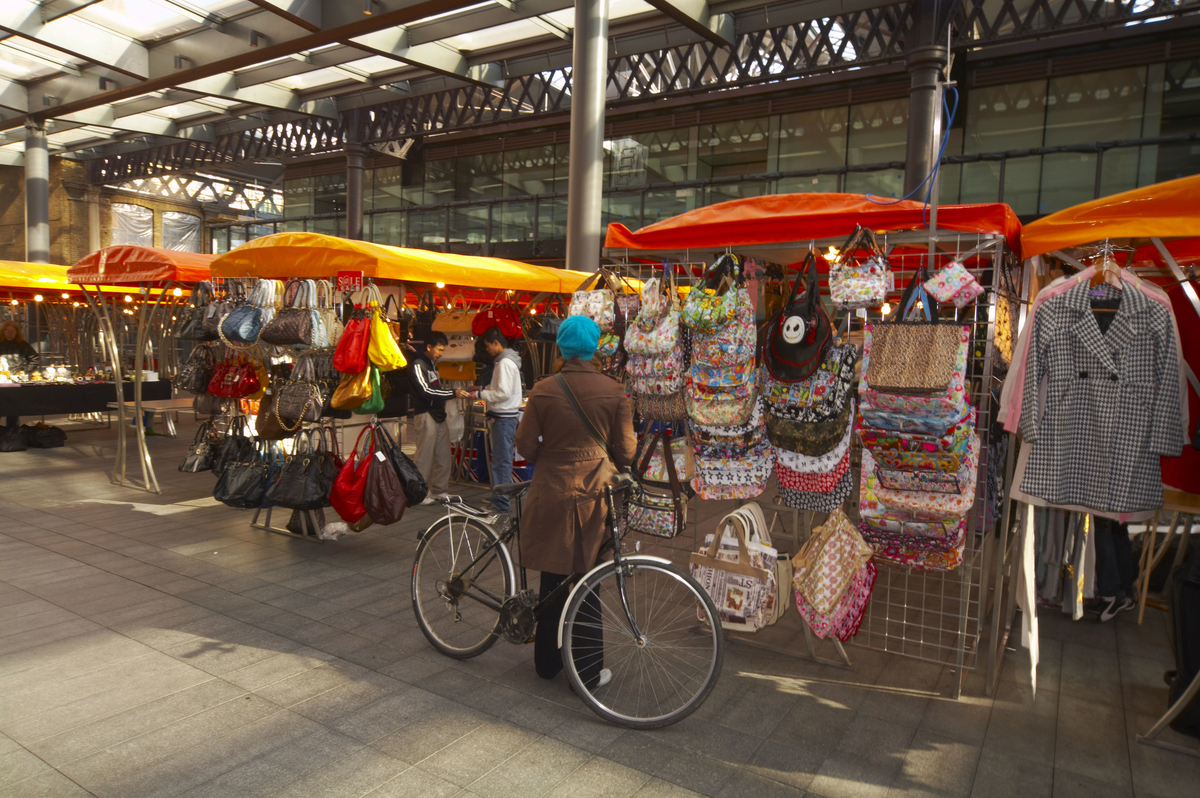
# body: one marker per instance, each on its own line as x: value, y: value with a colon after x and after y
x: 547, y: 657
x: 1115, y: 568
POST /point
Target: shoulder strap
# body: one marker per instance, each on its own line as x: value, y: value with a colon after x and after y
x: 583, y: 416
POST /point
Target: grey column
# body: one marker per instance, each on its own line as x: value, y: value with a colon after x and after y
x: 354, y: 190
x: 37, y: 196
x: 924, y: 115
x: 93, y: 206
x: 585, y: 179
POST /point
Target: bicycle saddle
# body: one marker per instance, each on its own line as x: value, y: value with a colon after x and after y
x: 511, y: 489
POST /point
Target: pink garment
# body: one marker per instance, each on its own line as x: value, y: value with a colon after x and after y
x: 1011, y: 392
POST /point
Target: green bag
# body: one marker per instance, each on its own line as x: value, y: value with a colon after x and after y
x: 708, y: 310
x: 373, y: 405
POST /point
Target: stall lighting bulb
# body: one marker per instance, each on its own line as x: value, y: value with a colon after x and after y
x: 533, y: 312
x: 510, y: 290
x: 128, y: 298
x: 832, y: 253
x: 128, y: 312
x: 441, y: 285
x: 37, y: 297
x: 76, y: 304
x: 885, y: 309
x: 178, y: 292
x: 66, y: 296
x: 14, y: 301
x: 920, y: 305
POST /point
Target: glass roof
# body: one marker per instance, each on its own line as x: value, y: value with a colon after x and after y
x: 147, y: 20
x: 512, y: 32
x: 22, y: 59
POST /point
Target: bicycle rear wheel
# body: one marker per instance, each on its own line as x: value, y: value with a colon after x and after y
x: 457, y: 599
x: 661, y: 680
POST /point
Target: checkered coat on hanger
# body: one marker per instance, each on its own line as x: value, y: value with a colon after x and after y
x: 1100, y: 408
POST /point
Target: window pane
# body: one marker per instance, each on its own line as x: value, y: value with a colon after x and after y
x: 624, y: 163
x: 878, y: 132
x: 1079, y: 107
x: 949, y: 178
x: 722, y: 192
x: 805, y: 185
x: 888, y: 183
x: 666, y: 154
x: 388, y: 228
x: 530, y: 171
x: 181, y: 231
x: 1119, y: 170
x: 479, y: 177
x: 1003, y: 118
x: 291, y: 226
x: 427, y: 229
x: 1068, y: 178
x: 1022, y: 176
x: 665, y: 203
x: 1180, y: 114
x: 552, y: 219
x: 623, y: 208
x: 330, y: 226
x: 439, y: 182
x: 513, y: 221
x: 468, y: 225
x: 732, y: 149
x: 298, y: 197
x: 813, y: 140
x: 980, y: 182
x: 220, y: 241
x: 237, y: 236
x: 385, y: 189
x: 132, y: 224
x: 329, y: 193
x: 260, y: 230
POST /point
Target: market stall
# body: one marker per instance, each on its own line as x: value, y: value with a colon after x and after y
x: 147, y: 269
x: 867, y: 259
x: 1128, y: 251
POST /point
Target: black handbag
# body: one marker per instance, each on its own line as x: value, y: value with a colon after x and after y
x: 13, y: 440
x: 424, y: 316
x: 200, y: 453
x: 306, y: 522
x: 799, y: 334
x: 217, y: 309
x: 243, y: 484
x: 300, y: 398
x: 44, y: 437
x: 191, y: 318
x: 303, y: 482
x: 206, y: 404
x: 197, y: 372
x: 414, y: 485
x: 233, y: 447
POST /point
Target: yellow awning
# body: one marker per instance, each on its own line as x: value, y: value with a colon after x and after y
x: 48, y: 279
x: 313, y: 256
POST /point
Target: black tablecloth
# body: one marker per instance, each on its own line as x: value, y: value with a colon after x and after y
x: 55, y: 400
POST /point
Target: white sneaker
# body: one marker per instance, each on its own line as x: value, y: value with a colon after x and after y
x: 605, y: 677
x: 426, y: 500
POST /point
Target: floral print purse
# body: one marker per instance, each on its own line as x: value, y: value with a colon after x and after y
x: 853, y: 285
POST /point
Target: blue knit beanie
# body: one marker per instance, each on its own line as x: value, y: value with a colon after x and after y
x: 578, y: 336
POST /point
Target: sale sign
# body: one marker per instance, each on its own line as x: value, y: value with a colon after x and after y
x: 349, y: 281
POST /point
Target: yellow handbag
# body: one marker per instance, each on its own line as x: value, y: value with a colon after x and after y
x: 353, y: 390
x: 383, y: 350
x: 458, y: 371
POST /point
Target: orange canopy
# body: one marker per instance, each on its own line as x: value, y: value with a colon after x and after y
x: 1163, y: 210
x: 779, y: 218
x: 125, y: 263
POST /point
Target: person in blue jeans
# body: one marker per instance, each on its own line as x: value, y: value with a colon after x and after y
x: 503, y: 399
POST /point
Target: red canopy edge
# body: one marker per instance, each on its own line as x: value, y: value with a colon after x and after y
x: 780, y: 218
x: 125, y: 263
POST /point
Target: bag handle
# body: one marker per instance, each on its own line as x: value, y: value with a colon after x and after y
x: 913, y: 291
x: 742, y: 567
x: 583, y: 416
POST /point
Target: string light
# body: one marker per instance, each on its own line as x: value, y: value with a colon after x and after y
x: 441, y: 285
x: 128, y: 298
x: 832, y: 253
x: 37, y: 297
x: 886, y: 309
x: 14, y: 301
x: 66, y: 296
x: 76, y: 304
x: 178, y: 292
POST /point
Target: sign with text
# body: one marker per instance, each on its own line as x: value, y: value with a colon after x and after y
x: 349, y: 281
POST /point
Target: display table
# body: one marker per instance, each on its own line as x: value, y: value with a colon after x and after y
x: 162, y: 408
x: 69, y: 399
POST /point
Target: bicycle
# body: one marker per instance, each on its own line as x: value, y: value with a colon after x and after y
x: 637, y: 616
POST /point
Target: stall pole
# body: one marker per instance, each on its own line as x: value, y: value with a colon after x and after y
x: 585, y: 181
x: 924, y: 63
x: 354, y: 177
x: 104, y: 326
x: 37, y: 195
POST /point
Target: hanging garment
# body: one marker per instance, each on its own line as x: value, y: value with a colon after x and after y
x: 1112, y: 405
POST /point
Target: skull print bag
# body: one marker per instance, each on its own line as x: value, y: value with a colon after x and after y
x: 798, y: 335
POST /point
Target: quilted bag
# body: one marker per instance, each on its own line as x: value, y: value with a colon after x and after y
x: 812, y: 482
x: 821, y: 396
x: 720, y: 408
x: 923, y: 559
x: 809, y: 439
x: 929, y: 481
x: 860, y: 285
x: 717, y: 299
x: 912, y: 451
x: 828, y: 561
x: 815, y: 464
x: 954, y: 284
x: 798, y: 335
x: 738, y: 573
x: 930, y: 413
x: 950, y: 538
x: 297, y: 323
x: 919, y: 505
x: 843, y: 621
x: 597, y: 303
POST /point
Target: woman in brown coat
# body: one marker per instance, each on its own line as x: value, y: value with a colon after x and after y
x: 563, y: 517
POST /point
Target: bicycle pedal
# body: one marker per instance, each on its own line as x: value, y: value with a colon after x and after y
x: 531, y: 639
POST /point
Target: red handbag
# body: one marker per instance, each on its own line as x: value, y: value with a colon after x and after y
x: 350, y: 357
x: 499, y: 315
x: 346, y: 497
x: 234, y: 380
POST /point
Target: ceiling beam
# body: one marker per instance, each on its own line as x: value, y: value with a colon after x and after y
x: 146, y: 124
x: 304, y: 13
x: 13, y: 95
x: 434, y: 56
x: 53, y: 9
x: 75, y: 37
x: 696, y: 16
x: 482, y: 17
x: 11, y: 157
x: 265, y: 94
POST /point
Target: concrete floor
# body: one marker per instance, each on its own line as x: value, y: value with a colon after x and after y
x: 159, y: 646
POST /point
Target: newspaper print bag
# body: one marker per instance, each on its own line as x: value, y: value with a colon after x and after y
x: 738, y: 574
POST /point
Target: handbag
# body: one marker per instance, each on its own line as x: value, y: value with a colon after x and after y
x: 346, y: 497
x: 919, y: 505
x: 299, y: 321
x: 910, y: 451
x: 382, y: 349
x: 309, y: 523
x: 654, y: 466
x: 828, y: 560
x: 205, y: 404
x: 659, y: 407
x: 456, y: 321
x: 716, y: 299
x: 191, y: 318
x: 844, y: 619
x: 809, y: 439
x: 424, y: 316
x: 738, y: 573
x: 913, y: 357
x: 598, y: 304
x: 853, y: 285
x: 234, y: 446
x: 218, y: 308
x: 353, y: 390
x: 499, y: 314
x: 411, y: 482
x: 720, y: 408
x: 953, y: 284
x: 350, y: 355
x: 198, y: 371
x: 799, y: 335
x: 243, y: 483
x: 374, y: 402
x: 304, y: 481
x: 653, y: 510
x: 234, y: 380
x: 200, y: 453
x: 267, y: 425
x: 820, y: 396
x: 383, y: 496
x: 300, y: 398
x: 463, y: 371
x: 244, y: 324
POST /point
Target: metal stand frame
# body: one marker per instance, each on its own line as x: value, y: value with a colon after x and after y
x: 1151, y: 737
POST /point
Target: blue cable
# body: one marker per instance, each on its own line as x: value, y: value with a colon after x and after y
x: 928, y: 180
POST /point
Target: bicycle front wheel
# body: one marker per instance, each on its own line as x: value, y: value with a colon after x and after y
x: 660, y: 679
x: 461, y: 576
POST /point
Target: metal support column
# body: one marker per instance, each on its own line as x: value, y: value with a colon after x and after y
x: 589, y: 77
x: 355, y: 152
x: 93, y: 206
x: 37, y: 195
x: 924, y: 114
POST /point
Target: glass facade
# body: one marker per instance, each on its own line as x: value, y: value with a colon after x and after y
x: 516, y: 199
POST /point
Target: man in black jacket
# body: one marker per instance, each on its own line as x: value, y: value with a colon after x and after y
x: 429, y: 417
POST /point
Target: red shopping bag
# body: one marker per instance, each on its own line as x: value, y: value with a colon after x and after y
x: 347, y: 494
x: 350, y: 357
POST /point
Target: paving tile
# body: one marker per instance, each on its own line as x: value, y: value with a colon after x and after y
x: 600, y: 778
x: 466, y: 759
x: 50, y: 784
x: 18, y: 765
x: 1091, y: 675
x: 866, y: 760
x: 351, y: 776
x: 936, y: 766
x: 532, y: 771
x: 748, y: 785
x: 1023, y: 725
x: 1157, y: 771
x: 415, y: 782
x: 1002, y: 775
x: 1091, y: 741
x: 657, y: 788
x: 1073, y: 785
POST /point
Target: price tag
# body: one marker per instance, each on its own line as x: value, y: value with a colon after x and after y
x: 349, y: 281
x: 380, y: 457
x: 861, y: 313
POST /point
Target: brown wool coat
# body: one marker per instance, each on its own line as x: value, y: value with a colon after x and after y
x: 563, y: 517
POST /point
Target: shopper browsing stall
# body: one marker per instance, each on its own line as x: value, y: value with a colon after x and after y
x: 429, y: 417
x: 503, y: 398
x: 562, y: 521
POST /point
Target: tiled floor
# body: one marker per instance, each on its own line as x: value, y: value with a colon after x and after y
x: 159, y: 646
